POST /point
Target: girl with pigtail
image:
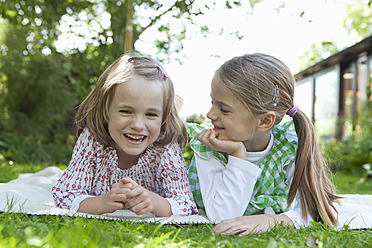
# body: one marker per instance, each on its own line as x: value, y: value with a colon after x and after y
x: 248, y: 172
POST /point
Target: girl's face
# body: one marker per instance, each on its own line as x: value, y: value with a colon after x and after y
x: 135, y: 116
x: 230, y: 118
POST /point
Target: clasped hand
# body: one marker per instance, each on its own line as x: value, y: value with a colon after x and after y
x: 129, y: 195
x: 234, y: 148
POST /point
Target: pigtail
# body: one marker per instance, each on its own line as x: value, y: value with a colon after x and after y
x: 310, y: 177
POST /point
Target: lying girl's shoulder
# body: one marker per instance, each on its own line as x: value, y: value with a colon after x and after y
x: 87, y: 139
x: 88, y: 146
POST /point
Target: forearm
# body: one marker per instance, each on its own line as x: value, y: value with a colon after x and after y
x: 296, y: 217
x: 279, y: 219
x: 96, y: 205
x: 161, y: 206
x: 218, y: 184
x: 270, y: 220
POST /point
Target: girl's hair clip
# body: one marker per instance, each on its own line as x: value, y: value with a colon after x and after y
x: 164, y: 73
x: 276, y: 96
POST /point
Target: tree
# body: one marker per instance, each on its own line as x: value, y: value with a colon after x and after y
x: 34, y: 90
x: 317, y: 52
x: 358, y: 23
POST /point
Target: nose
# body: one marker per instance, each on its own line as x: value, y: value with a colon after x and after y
x: 138, y: 123
x: 212, y: 114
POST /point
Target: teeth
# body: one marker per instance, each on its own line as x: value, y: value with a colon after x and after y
x: 135, y: 137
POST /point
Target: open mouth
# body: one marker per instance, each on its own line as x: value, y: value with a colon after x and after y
x: 135, y: 137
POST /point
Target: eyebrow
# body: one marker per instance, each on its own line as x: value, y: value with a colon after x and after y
x: 123, y: 105
x: 155, y: 109
x: 221, y: 103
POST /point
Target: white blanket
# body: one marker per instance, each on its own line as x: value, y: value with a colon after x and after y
x: 30, y: 193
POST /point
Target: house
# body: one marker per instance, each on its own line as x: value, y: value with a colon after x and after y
x: 334, y: 91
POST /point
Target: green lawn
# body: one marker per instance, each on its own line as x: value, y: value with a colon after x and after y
x: 347, y: 183
x: 21, y: 230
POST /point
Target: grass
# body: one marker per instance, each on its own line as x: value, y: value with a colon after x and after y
x: 347, y: 183
x: 22, y: 230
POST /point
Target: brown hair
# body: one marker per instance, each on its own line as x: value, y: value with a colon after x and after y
x: 252, y: 79
x: 93, y: 111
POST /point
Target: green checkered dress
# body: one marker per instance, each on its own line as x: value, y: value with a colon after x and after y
x: 271, y: 188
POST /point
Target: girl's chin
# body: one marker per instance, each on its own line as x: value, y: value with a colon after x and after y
x: 221, y: 136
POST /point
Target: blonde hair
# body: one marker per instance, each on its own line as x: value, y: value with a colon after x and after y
x: 93, y: 112
x: 252, y: 79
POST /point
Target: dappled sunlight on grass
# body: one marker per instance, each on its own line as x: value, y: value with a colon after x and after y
x: 21, y: 230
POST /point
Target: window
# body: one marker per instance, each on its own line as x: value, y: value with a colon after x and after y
x: 304, y: 96
x: 326, y: 103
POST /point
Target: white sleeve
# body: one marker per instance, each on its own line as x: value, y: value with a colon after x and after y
x: 76, y: 202
x: 226, y: 191
x: 295, y: 216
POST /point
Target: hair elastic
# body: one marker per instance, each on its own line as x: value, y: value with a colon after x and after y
x: 292, y: 111
x: 276, y: 96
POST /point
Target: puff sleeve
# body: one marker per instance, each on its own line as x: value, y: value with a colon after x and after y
x: 175, y: 183
x: 76, y: 181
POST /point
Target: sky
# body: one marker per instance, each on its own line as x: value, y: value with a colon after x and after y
x: 286, y: 34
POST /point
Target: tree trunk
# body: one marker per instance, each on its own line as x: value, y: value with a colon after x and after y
x: 128, y: 38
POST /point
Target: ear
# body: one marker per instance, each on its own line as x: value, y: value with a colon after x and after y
x: 267, y: 121
x: 178, y: 101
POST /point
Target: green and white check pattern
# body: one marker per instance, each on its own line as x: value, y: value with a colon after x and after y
x: 271, y: 189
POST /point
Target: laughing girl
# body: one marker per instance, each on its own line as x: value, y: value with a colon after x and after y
x: 128, y: 154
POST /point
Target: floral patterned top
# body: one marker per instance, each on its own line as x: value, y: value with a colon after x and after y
x: 93, y: 170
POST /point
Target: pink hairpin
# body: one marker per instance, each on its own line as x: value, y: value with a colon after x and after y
x: 276, y: 96
x: 164, y: 73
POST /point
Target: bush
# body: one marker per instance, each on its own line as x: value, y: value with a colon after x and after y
x: 354, y: 152
x: 31, y: 149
